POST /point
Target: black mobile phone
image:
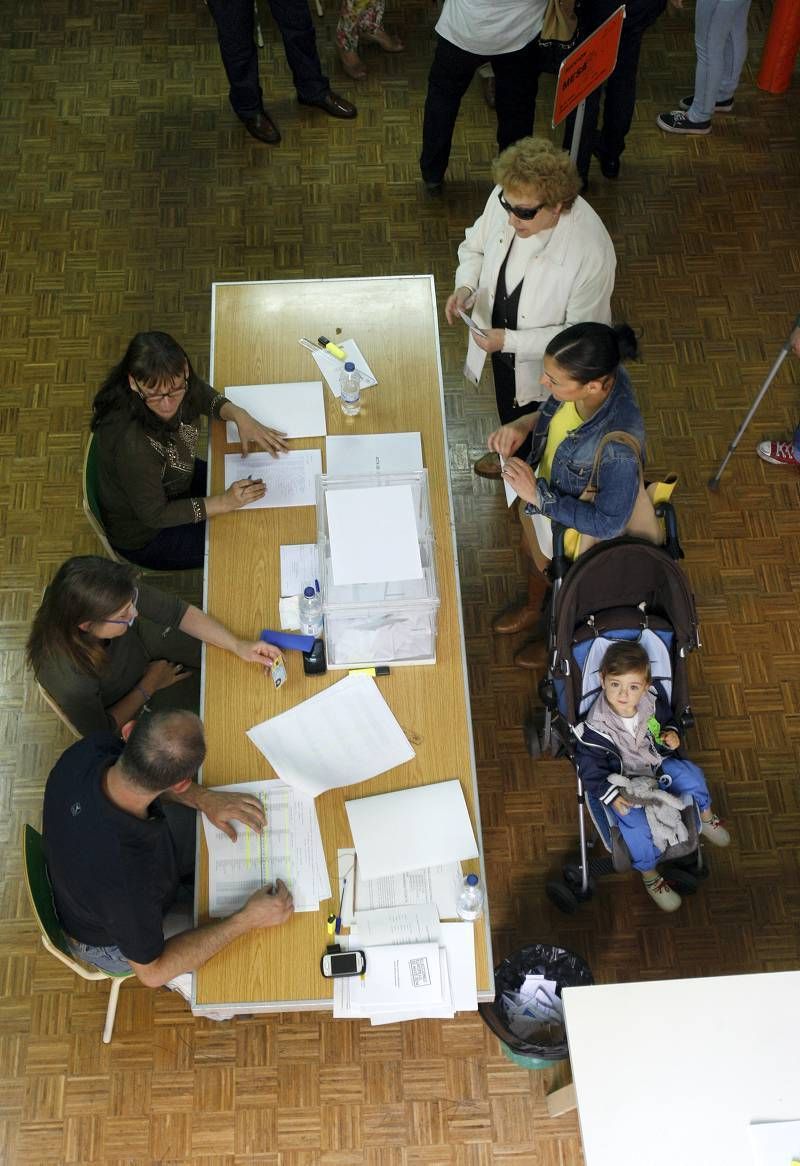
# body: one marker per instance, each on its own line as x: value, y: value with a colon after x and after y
x: 343, y: 963
x: 314, y: 663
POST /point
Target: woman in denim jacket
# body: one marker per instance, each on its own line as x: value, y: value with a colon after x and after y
x: 591, y: 396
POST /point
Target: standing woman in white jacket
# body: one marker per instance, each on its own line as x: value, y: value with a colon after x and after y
x: 537, y: 260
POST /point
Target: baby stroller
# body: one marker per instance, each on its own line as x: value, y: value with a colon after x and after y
x: 625, y: 588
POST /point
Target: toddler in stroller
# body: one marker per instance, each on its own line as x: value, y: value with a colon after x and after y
x: 625, y: 753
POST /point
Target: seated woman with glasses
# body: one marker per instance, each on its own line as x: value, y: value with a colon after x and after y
x: 151, y: 486
x: 537, y: 260
x: 103, y: 645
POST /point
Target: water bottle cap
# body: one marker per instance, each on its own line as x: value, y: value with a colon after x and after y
x: 309, y: 593
x: 349, y: 366
x: 472, y: 880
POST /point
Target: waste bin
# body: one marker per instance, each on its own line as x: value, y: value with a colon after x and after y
x: 563, y: 967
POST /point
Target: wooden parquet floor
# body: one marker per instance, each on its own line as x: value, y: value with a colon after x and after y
x: 126, y: 188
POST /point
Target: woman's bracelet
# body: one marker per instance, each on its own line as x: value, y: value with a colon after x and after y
x: 143, y: 691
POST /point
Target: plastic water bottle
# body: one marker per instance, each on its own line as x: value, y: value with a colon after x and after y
x: 470, y: 901
x: 311, y: 613
x: 350, y: 387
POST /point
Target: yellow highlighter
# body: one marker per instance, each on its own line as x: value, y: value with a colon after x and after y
x: 334, y: 349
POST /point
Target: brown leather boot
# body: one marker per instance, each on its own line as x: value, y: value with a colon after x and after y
x: 533, y: 656
x: 523, y: 617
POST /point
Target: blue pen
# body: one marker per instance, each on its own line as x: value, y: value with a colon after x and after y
x: 316, y: 584
x: 341, y: 904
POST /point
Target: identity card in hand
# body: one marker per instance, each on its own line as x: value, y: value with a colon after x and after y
x: 473, y: 327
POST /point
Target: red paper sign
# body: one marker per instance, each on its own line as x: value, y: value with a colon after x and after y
x: 588, y: 66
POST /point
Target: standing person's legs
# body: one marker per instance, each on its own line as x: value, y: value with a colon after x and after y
x: 235, y: 31
x: 713, y: 23
x: 620, y: 90
x: 735, y: 50
x: 293, y: 18
x: 516, y: 79
x: 451, y: 72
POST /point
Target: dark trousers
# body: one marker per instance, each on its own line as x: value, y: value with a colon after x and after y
x: 516, y: 83
x: 620, y: 88
x: 505, y: 395
x: 235, y: 23
x: 176, y: 548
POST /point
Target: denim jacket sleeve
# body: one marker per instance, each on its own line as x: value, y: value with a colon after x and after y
x: 608, y: 515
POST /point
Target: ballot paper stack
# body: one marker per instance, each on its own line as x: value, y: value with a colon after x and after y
x: 409, y: 981
x: 288, y: 848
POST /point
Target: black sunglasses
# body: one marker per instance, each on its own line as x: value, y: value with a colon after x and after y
x: 526, y: 213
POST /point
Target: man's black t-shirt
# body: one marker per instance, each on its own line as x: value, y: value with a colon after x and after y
x: 114, y: 875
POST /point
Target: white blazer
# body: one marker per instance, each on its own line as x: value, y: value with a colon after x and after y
x: 569, y: 281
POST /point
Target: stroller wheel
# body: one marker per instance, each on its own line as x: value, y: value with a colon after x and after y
x: 682, y: 880
x: 573, y: 877
x: 561, y: 897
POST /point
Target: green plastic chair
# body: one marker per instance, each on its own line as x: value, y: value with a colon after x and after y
x: 91, y: 500
x: 40, y: 893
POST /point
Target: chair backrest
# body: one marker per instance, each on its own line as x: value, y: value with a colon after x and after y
x: 62, y: 716
x: 91, y: 500
x: 40, y: 892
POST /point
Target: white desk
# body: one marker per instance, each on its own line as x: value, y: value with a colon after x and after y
x: 641, y: 1064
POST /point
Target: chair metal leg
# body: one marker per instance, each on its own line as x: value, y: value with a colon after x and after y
x: 111, y: 1011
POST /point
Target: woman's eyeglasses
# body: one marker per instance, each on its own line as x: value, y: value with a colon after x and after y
x: 520, y: 212
x: 127, y: 622
x: 156, y: 397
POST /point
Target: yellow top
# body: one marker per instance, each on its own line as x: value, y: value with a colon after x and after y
x: 565, y: 419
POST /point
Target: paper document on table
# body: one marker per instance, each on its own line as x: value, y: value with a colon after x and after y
x: 459, y: 977
x: 373, y: 535
x: 399, y: 976
x: 416, y: 924
x: 298, y: 409
x: 511, y: 493
x: 440, y: 885
x: 343, y: 735
x: 373, y: 453
x: 332, y: 368
x: 423, y: 826
x: 299, y: 568
x: 289, y: 848
x: 775, y: 1143
x: 290, y: 479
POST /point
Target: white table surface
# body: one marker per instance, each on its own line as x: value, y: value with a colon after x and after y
x: 672, y: 1072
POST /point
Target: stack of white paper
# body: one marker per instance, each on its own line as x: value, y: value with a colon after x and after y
x: 373, y: 453
x: 439, y: 885
x: 298, y: 410
x: 288, y: 848
x: 345, y: 734
x: 412, y: 981
x: 290, y: 479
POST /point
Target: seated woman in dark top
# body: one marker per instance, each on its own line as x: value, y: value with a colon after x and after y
x: 104, y: 644
x: 151, y: 487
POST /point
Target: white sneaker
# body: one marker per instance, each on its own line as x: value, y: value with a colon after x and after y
x: 662, y: 894
x: 715, y: 832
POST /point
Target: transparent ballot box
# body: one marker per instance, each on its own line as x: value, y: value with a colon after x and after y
x: 379, y: 621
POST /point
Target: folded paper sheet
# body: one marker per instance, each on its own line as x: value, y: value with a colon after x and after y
x: 345, y: 734
x: 298, y: 410
x: 424, y: 826
x: 373, y: 453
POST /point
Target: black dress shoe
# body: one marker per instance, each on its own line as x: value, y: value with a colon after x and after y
x: 333, y: 105
x: 609, y: 165
x: 262, y: 128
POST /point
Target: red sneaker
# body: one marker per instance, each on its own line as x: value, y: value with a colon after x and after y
x: 777, y: 453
